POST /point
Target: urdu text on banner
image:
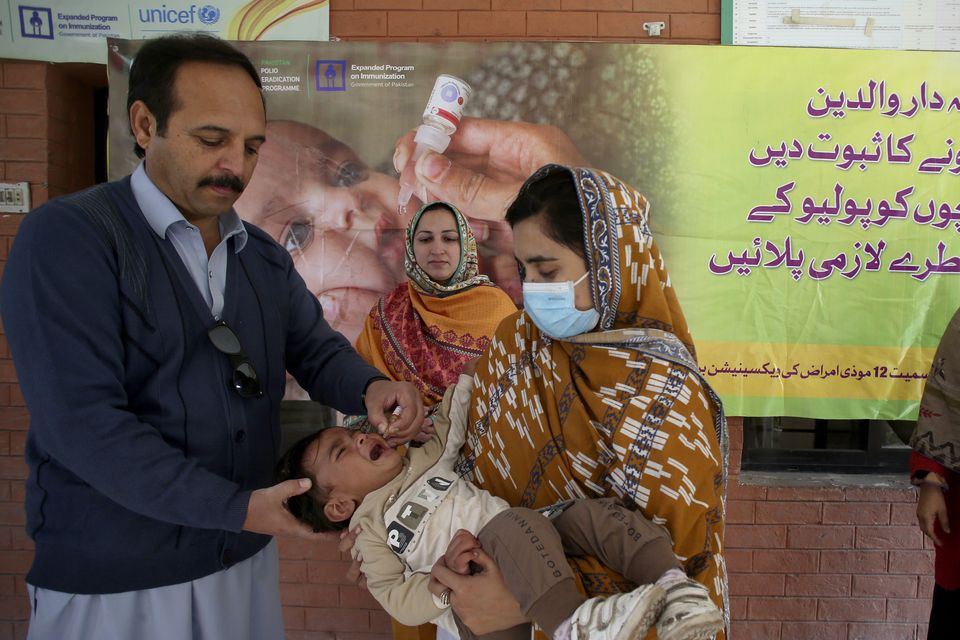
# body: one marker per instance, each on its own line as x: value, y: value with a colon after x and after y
x: 806, y: 201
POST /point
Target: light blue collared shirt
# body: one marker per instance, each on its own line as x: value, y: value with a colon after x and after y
x: 210, y: 275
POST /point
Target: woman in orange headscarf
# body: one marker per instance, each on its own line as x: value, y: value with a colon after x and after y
x: 443, y: 316
x: 593, y: 390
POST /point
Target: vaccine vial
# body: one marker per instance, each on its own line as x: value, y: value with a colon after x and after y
x: 440, y: 121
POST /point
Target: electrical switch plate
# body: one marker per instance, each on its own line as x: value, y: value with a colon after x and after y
x: 14, y: 197
x: 653, y: 29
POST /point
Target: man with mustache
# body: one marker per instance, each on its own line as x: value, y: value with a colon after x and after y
x: 151, y: 330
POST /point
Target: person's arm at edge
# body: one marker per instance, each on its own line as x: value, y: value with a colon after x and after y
x: 931, y: 478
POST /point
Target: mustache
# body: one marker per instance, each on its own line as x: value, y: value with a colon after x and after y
x: 228, y: 181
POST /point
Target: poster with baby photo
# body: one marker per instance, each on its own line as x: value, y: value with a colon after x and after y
x: 805, y: 207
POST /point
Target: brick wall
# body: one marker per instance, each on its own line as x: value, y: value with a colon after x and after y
x: 825, y: 563
x: 817, y: 564
x: 687, y: 21
x: 46, y: 139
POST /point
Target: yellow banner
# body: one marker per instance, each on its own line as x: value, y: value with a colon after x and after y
x: 814, y: 370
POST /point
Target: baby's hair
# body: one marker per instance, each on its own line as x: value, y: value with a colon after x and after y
x: 306, y: 507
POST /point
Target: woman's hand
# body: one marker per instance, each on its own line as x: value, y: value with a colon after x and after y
x: 434, y: 586
x: 481, y: 601
x: 354, y: 575
x: 931, y: 509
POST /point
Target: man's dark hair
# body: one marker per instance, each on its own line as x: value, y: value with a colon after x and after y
x: 552, y: 193
x: 155, y: 68
x: 306, y: 507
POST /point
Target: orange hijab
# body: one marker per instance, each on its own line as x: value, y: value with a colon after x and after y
x: 621, y: 411
x: 424, y: 331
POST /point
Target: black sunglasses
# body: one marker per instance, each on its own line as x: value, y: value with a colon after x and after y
x: 245, y: 380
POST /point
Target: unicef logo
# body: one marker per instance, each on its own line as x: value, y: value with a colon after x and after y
x: 209, y: 14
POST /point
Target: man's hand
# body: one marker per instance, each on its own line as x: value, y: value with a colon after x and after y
x: 382, y: 397
x: 481, y: 601
x: 267, y: 513
x: 931, y: 509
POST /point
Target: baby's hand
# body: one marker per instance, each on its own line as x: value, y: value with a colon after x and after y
x: 470, y: 367
x: 348, y: 538
x: 461, y: 551
x: 426, y: 431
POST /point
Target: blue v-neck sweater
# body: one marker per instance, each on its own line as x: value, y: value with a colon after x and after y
x: 141, y: 455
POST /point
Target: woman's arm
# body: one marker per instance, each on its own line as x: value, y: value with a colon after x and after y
x: 481, y: 600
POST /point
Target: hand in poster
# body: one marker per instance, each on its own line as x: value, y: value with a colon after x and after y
x: 486, y: 162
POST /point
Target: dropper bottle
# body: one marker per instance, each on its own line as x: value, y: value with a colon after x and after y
x: 440, y: 121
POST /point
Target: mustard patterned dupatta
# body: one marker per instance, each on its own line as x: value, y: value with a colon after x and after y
x: 424, y: 331
x: 622, y: 411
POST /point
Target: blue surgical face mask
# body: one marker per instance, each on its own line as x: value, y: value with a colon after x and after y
x: 551, y: 307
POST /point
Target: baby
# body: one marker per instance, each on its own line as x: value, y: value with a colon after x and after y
x: 412, y: 507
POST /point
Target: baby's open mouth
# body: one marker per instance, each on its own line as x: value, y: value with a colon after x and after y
x: 376, y: 452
